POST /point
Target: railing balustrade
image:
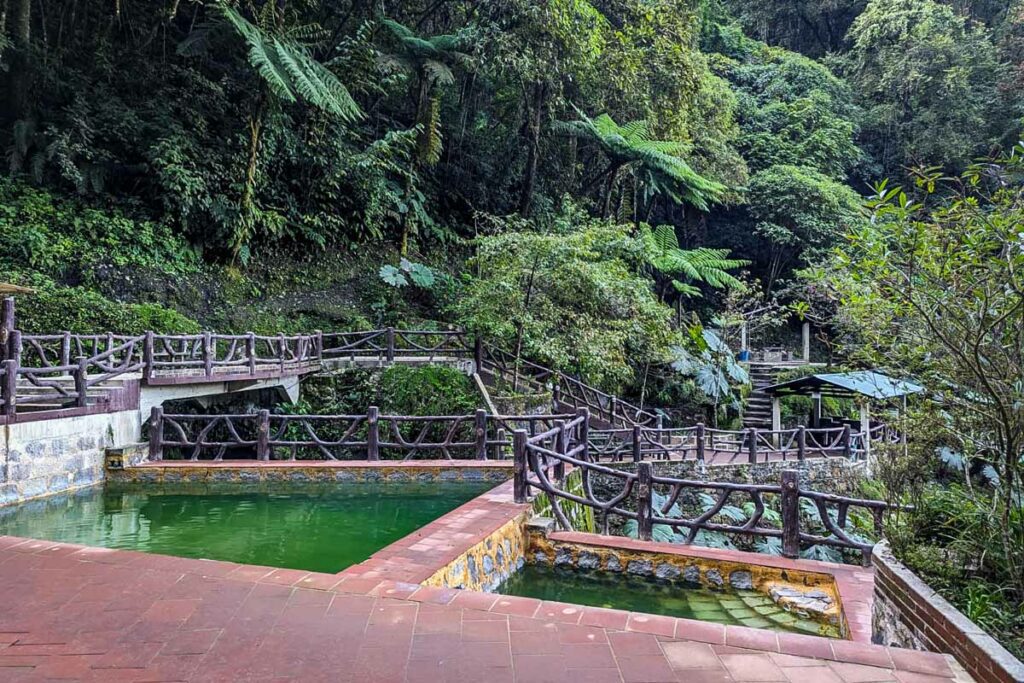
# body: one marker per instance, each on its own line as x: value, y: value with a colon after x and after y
x: 373, y: 436
x: 541, y: 462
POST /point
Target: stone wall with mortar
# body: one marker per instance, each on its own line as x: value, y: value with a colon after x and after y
x: 829, y: 475
x: 314, y: 472
x: 46, y: 457
x: 907, y: 613
x: 485, y: 565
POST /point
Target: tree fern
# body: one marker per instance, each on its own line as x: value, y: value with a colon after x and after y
x: 701, y: 265
x: 659, y: 164
x: 289, y: 71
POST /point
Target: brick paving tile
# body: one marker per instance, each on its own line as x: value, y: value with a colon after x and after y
x: 757, y: 667
x: 686, y: 655
x: 811, y: 674
x: 73, y: 614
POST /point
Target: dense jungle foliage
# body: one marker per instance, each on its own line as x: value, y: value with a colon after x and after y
x: 604, y: 186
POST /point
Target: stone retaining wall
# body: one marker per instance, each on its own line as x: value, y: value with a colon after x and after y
x: 47, y: 457
x: 311, y: 472
x: 830, y: 475
x: 907, y: 613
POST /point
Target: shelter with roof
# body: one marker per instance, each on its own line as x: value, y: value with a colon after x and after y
x: 866, y: 385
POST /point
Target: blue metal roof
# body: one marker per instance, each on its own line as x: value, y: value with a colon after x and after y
x: 864, y: 382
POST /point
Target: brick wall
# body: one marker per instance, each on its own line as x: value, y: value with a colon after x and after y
x: 907, y: 613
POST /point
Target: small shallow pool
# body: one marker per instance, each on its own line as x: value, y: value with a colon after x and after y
x: 637, y: 594
x: 316, y: 528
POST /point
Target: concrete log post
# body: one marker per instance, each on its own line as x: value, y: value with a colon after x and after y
x: 790, y: 514
x: 373, y: 433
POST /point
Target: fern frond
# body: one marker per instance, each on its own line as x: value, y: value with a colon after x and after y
x: 289, y: 71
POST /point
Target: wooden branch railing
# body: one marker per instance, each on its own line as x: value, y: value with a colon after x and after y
x: 703, y: 444
x: 372, y: 436
x: 542, y: 461
x: 62, y: 367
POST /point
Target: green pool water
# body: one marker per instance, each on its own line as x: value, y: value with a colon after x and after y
x: 314, y: 528
x: 637, y: 594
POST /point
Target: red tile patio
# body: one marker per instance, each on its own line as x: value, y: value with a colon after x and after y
x: 74, y: 613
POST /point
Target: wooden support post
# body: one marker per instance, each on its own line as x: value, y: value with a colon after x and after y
x: 480, y: 432
x: 790, y: 514
x: 561, y: 446
x: 147, y: 356
x: 82, y: 382
x: 373, y: 433
x: 6, y: 326
x: 110, y: 341
x: 584, y: 435
x: 637, y: 446
x: 520, y: 488
x: 65, y: 348
x: 556, y: 395
x: 816, y: 409
x: 14, y: 346
x: 847, y: 441
x: 752, y: 445
x: 644, y: 503
x: 318, y: 339
x: 9, y: 387
x: 700, y: 442
x: 250, y: 351
x: 391, y: 345
x: 801, y: 443
x: 282, y: 349
x: 263, y: 436
x: 865, y: 429
x: 806, y: 334
x: 156, y: 433
x: 478, y: 354
x: 743, y: 336
x: 207, y: 354
x: 613, y: 405
x: 499, y: 444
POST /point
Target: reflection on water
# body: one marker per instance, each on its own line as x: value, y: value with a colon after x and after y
x: 317, y: 528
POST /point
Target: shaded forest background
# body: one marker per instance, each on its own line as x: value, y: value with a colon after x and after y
x: 253, y: 165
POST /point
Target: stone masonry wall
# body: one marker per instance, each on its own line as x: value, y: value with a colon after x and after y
x: 50, y: 456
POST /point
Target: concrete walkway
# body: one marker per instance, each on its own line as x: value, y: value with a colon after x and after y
x: 73, y: 613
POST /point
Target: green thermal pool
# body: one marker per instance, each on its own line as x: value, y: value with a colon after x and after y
x: 321, y: 529
x: 637, y: 594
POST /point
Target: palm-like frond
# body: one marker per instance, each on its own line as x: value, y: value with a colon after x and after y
x: 443, y: 48
x: 290, y: 71
x: 662, y: 162
x: 703, y: 264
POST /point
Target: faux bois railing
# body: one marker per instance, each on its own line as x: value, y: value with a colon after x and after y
x: 265, y: 436
x: 58, y: 370
x: 543, y: 460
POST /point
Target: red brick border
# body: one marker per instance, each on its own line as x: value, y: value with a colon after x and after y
x: 939, y: 626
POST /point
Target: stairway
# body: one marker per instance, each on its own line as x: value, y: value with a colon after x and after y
x: 758, y: 411
x: 31, y: 398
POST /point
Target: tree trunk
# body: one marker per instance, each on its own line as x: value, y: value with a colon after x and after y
x: 19, y: 76
x: 247, y: 201
x: 609, y: 186
x: 532, y: 147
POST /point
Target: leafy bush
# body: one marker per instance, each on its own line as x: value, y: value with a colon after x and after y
x: 76, y: 309
x: 66, y: 240
x: 427, y: 390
